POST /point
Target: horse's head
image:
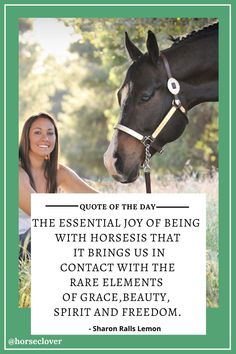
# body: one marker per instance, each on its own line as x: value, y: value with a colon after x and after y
x: 144, y: 100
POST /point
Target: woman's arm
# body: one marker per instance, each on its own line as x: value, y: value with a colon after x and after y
x: 70, y: 182
x: 25, y: 191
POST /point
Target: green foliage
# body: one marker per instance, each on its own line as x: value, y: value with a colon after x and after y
x: 25, y: 24
x: 81, y: 92
x: 197, y: 148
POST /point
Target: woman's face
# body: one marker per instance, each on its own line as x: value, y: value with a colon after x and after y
x: 42, y: 137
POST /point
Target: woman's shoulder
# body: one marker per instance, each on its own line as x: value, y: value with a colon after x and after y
x: 63, y: 172
x: 23, y: 174
x: 24, y: 182
x: 70, y: 182
x: 62, y: 169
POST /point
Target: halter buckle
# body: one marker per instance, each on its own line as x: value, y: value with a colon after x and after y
x: 176, y: 102
x: 147, y: 141
x: 173, y: 86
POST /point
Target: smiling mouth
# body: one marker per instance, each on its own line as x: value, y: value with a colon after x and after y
x: 43, y: 146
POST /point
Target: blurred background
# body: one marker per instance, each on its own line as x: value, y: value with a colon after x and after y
x: 72, y: 68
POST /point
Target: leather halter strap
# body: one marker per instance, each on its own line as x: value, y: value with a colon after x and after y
x: 173, y: 87
x: 173, y: 84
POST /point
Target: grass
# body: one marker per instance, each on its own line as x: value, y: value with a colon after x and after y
x: 167, y: 184
x: 24, y: 282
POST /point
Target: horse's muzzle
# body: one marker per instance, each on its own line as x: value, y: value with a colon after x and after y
x: 116, y: 168
x: 121, y: 164
x: 126, y: 173
x: 125, y: 179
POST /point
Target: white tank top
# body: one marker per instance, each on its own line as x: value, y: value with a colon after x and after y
x: 24, y: 222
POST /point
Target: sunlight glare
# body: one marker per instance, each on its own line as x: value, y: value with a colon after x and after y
x: 54, y: 37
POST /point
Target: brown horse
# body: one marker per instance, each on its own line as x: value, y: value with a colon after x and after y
x: 158, y: 90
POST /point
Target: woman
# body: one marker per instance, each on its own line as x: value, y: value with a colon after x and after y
x: 39, y: 170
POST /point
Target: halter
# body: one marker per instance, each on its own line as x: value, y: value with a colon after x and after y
x: 148, y: 140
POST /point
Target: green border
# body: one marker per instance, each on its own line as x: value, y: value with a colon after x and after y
x: 18, y: 320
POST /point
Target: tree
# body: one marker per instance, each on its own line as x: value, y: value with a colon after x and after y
x: 81, y: 92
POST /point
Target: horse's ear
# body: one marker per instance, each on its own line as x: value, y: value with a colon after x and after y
x: 133, y: 51
x: 152, y: 47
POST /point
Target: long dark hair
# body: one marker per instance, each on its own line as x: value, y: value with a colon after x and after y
x: 51, y: 165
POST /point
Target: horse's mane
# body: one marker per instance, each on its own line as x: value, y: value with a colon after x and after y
x: 194, y: 34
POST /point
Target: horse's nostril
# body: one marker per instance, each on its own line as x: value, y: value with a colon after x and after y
x: 118, y: 164
x: 116, y: 155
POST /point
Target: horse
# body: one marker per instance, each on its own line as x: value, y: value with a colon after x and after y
x: 158, y: 90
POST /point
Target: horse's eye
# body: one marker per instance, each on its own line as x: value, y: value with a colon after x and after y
x: 146, y: 98
x: 147, y: 95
